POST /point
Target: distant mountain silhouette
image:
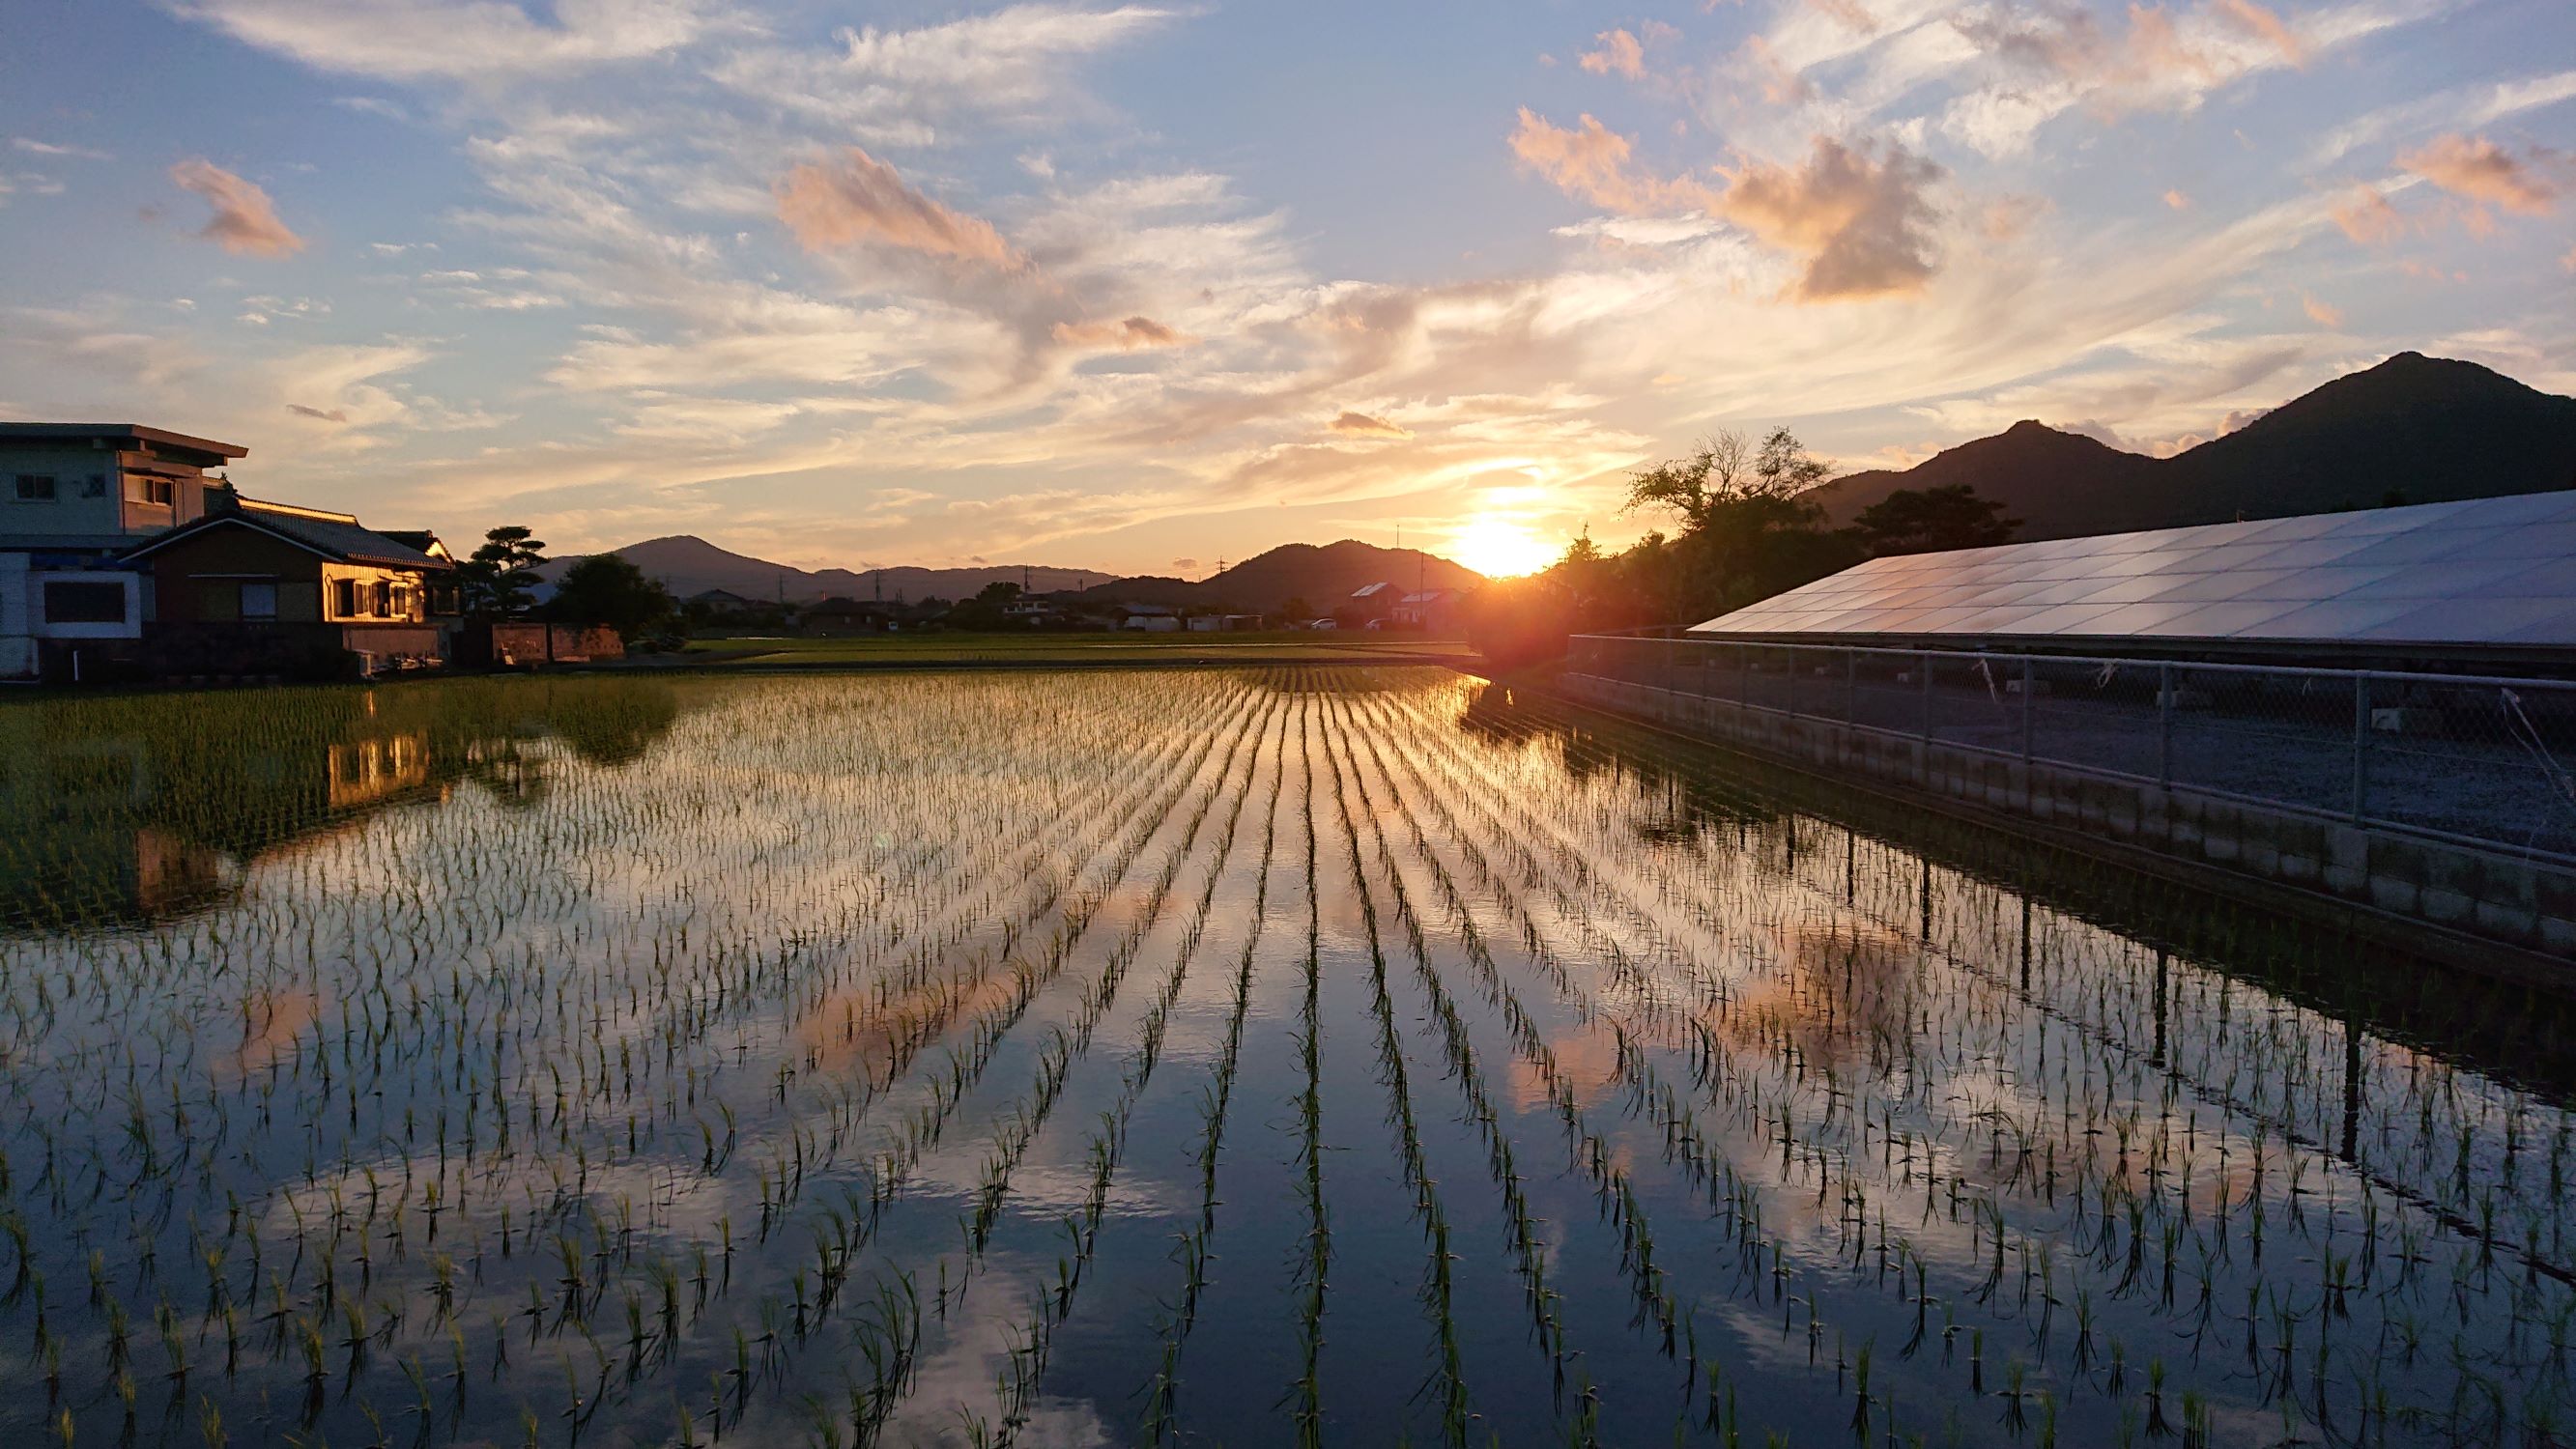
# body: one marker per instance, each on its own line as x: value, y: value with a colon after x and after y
x: 687, y: 564
x: 2432, y: 429
x: 1323, y: 576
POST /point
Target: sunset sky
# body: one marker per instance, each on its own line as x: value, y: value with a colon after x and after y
x: 1143, y: 287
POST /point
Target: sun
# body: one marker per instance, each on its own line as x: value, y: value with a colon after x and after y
x: 1498, y: 548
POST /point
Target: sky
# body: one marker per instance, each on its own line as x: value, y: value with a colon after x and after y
x: 1150, y: 287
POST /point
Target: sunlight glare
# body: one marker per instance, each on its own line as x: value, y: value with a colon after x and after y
x: 1500, y: 548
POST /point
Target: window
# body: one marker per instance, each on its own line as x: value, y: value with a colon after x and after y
x: 152, y: 490
x: 35, y: 487
x: 259, y: 601
x: 384, y: 599
x: 84, y: 601
x: 344, y: 598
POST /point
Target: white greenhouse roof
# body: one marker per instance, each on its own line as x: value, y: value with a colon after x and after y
x: 2491, y: 571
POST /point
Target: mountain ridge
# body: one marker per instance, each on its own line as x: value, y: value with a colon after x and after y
x: 2435, y: 430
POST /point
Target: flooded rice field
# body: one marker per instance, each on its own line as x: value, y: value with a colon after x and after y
x: 1257, y: 1057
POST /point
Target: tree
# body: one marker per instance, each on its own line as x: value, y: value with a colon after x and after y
x: 1932, y: 520
x: 497, y: 580
x: 606, y: 589
x: 1747, y: 529
x: 1297, y: 609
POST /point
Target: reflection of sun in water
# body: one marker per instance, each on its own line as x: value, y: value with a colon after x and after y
x: 1500, y: 548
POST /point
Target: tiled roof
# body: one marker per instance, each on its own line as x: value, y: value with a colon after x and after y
x: 335, y: 536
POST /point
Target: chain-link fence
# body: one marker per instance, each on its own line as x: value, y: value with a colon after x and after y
x: 2486, y: 760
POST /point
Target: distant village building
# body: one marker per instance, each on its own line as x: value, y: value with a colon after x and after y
x: 1150, y: 618
x: 838, y: 617
x: 1430, y: 610
x: 724, y: 605
x: 73, y: 497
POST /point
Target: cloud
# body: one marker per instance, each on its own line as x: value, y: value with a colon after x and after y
x: 2178, y: 200
x: 1010, y: 65
x: 2484, y: 172
x: 458, y: 39
x: 2266, y: 26
x: 328, y: 415
x: 1620, y: 54
x: 34, y: 147
x: 245, y: 222
x: 1362, y: 425
x: 1128, y: 335
x: 855, y: 198
x: 1860, y: 218
x: 2321, y: 313
x: 2160, y: 60
x: 2367, y: 218
x: 1592, y: 162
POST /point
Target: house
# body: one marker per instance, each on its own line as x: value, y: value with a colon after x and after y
x: 1223, y: 623
x: 1150, y: 618
x: 73, y: 498
x: 1430, y: 610
x: 1368, y: 604
x: 839, y: 616
x: 253, y: 587
x: 723, y: 605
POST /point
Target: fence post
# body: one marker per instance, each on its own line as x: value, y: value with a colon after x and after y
x: 2026, y: 692
x: 1851, y: 686
x: 1744, y: 675
x: 1797, y: 661
x: 2164, y: 724
x: 1923, y: 666
x: 2360, y: 746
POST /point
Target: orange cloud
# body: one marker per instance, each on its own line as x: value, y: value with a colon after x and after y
x: 2177, y: 200
x: 858, y: 198
x: 2368, y: 218
x: 1361, y: 425
x: 2268, y: 26
x: 1593, y: 163
x: 2487, y: 173
x: 2321, y: 313
x: 245, y: 221
x: 1130, y: 335
x: 1860, y: 219
x: 1620, y: 54
x: 1849, y: 12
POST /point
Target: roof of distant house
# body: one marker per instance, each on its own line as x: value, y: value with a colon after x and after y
x: 1371, y: 591
x: 129, y: 436
x: 1428, y: 596
x: 719, y: 596
x: 336, y: 536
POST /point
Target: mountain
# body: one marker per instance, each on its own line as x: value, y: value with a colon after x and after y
x: 2432, y: 429
x: 687, y: 565
x: 1323, y: 576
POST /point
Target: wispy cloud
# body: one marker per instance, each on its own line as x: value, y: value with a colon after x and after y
x: 2491, y: 175
x: 854, y: 199
x: 460, y: 39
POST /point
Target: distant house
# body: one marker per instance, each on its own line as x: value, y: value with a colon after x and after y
x: 73, y: 498
x: 1430, y: 610
x: 1223, y: 623
x: 723, y: 604
x: 1150, y: 618
x: 838, y: 617
x: 252, y: 587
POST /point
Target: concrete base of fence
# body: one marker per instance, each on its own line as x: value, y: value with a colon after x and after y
x: 2485, y: 896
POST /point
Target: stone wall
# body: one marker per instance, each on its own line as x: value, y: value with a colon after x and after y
x: 2492, y: 895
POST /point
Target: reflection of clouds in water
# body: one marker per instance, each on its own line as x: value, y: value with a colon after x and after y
x: 1046, y: 1191
x: 1839, y: 985
x: 960, y: 1374
x: 1587, y: 1061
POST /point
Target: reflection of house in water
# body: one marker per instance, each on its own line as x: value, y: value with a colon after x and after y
x: 376, y: 769
x: 119, y: 812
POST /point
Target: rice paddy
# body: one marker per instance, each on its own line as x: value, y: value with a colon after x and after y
x: 1266, y: 1056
